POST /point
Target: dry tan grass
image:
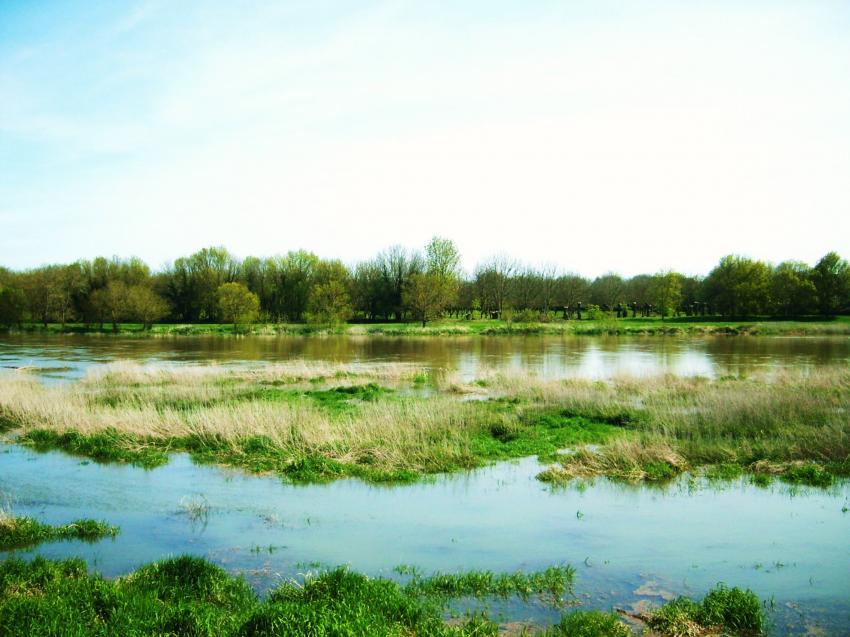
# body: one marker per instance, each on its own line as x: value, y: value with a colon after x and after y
x: 676, y: 421
x: 130, y: 373
x: 392, y: 433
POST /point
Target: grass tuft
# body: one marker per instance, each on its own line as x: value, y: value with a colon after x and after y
x: 724, y: 610
x: 27, y: 532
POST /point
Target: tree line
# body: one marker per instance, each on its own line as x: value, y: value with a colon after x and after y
x: 212, y: 286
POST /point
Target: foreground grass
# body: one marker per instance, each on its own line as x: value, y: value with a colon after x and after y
x: 189, y: 596
x: 27, y: 532
x: 812, y: 326
x: 396, y: 423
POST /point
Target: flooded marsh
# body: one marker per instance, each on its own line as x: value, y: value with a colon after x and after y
x: 649, y: 485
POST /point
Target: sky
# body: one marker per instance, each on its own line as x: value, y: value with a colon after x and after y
x: 596, y: 135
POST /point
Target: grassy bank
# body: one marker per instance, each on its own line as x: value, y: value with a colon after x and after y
x: 393, y: 422
x: 815, y: 326
x: 189, y: 596
x: 27, y: 532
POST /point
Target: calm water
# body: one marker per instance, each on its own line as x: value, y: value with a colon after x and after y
x: 629, y: 545
x: 62, y: 357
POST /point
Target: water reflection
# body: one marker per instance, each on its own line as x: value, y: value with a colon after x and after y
x: 59, y: 357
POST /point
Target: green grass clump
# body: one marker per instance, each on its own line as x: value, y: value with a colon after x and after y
x: 539, y: 434
x: 589, y: 623
x: 551, y: 584
x: 811, y: 474
x: 762, y: 480
x: 108, y: 445
x: 731, y: 611
x: 724, y: 471
x: 189, y: 596
x: 27, y: 532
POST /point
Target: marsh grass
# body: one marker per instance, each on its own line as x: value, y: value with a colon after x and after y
x: 723, y: 611
x: 27, y: 532
x: 319, y: 422
x: 549, y: 586
x: 189, y: 596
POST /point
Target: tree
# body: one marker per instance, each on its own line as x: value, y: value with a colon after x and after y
x: 329, y: 303
x: 397, y: 266
x: 12, y: 304
x: 442, y: 258
x: 112, y: 302
x: 739, y: 286
x: 572, y: 289
x: 145, y: 305
x: 607, y: 290
x: 42, y: 288
x: 792, y: 288
x: 368, y: 290
x: 665, y: 290
x: 427, y: 295
x: 237, y: 304
x: 831, y: 277
x: 493, y: 281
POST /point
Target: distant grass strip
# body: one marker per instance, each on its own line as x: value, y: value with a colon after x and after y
x: 27, y: 532
x: 638, y: 326
x: 189, y: 596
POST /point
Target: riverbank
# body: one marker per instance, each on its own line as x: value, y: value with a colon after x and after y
x: 682, y: 326
x: 188, y: 595
x: 312, y: 422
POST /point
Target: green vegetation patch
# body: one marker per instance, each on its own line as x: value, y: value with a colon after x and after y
x: 724, y: 610
x: 589, y: 623
x: 541, y: 435
x: 189, y: 596
x: 550, y: 585
x: 808, y: 474
x: 27, y: 532
x: 106, y: 446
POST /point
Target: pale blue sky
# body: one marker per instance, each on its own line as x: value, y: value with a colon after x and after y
x: 631, y: 136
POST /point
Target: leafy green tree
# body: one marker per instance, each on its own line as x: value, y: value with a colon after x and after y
x: 665, y: 290
x: 831, y: 277
x: 330, y: 300
x: 294, y: 276
x: 12, y: 305
x: 237, y: 304
x: 442, y: 258
x: 792, y: 288
x: 145, y: 305
x: 330, y: 303
x: 739, y: 286
x: 427, y: 295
